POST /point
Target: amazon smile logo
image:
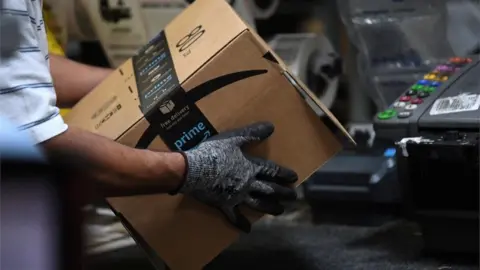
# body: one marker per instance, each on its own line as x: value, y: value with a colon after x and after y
x: 191, y: 127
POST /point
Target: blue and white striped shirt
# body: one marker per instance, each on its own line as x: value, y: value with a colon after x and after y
x: 27, y: 95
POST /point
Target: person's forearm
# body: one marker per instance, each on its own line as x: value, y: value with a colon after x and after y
x: 74, y: 80
x: 115, y: 169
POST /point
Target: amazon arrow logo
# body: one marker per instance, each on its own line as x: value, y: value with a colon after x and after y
x: 192, y: 96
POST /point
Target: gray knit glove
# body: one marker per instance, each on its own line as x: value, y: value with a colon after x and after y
x: 221, y: 175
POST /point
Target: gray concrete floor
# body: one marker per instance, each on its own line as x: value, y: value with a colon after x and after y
x: 293, y: 242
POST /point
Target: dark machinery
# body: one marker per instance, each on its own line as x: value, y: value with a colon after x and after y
x: 436, y: 125
x: 114, y: 14
x: 356, y: 187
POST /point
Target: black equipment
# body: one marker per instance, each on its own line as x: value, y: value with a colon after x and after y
x: 114, y: 14
x: 355, y: 188
x: 440, y: 184
x: 436, y: 123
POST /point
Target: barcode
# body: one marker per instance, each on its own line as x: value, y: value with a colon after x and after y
x: 460, y: 103
x: 456, y: 104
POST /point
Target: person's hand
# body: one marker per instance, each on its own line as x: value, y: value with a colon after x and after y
x: 221, y: 175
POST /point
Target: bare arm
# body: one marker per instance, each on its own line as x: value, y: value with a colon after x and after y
x: 74, y: 80
x: 117, y: 170
x: 28, y: 99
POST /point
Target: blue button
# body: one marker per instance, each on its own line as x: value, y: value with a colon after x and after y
x: 423, y: 82
x: 435, y: 84
x: 390, y: 152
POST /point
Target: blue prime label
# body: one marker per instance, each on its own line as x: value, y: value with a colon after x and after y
x: 155, y: 73
x: 199, y: 131
x: 172, y: 116
x: 180, y: 123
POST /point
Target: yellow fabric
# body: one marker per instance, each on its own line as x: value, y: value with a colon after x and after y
x: 54, y: 48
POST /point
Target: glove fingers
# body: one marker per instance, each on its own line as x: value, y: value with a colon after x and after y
x: 237, y: 219
x: 255, y: 132
x: 260, y: 189
x: 270, y: 171
x: 265, y: 206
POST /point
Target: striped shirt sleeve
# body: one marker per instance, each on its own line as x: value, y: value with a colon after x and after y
x: 27, y: 95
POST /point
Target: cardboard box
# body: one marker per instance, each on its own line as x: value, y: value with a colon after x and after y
x: 206, y: 73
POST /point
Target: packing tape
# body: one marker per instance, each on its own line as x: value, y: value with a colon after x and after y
x: 155, y: 84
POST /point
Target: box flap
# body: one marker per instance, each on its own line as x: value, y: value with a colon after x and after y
x: 299, y: 85
x: 199, y: 32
